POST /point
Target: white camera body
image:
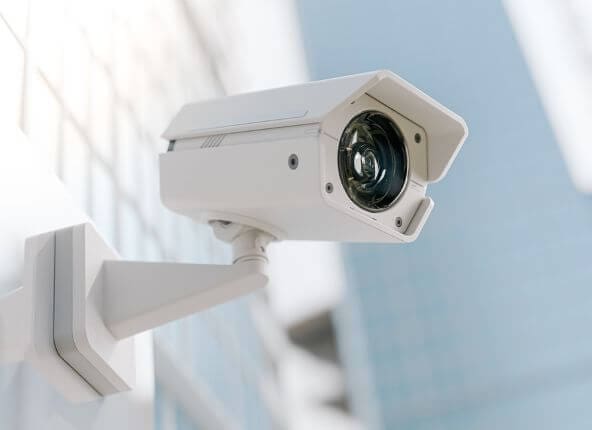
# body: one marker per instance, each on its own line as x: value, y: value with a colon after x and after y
x: 345, y: 159
x: 269, y: 159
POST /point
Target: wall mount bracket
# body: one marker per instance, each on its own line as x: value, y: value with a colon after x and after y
x: 101, y: 302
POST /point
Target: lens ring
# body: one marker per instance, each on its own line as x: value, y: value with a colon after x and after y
x: 373, y: 161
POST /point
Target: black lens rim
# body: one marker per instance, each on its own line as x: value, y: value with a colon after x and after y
x: 390, y: 191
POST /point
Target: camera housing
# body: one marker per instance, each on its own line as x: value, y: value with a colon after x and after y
x: 271, y: 159
x: 345, y: 159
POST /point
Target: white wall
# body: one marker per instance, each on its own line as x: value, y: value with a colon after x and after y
x: 92, y: 85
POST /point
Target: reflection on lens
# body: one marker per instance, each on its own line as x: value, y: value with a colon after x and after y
x: 372, y: 160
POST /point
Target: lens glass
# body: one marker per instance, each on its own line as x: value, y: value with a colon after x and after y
x: 372, y: 160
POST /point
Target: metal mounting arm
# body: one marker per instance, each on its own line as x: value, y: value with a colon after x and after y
x: 139, y: 296
x: 100, y: 302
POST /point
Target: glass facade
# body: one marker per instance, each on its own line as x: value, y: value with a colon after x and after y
x: 223, y: 353
x: 483, y: 322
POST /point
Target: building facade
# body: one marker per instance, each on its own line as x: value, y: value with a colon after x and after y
x: 484, y: 322
x: 93, y: 85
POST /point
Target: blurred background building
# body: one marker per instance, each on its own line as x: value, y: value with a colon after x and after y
x: 482, y: 323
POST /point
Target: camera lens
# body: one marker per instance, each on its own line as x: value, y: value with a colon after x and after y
x: 372, y: 160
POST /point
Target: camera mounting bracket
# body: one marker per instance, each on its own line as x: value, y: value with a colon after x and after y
x: 101, y: 302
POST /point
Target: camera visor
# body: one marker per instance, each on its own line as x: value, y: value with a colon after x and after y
x: 372, y: 160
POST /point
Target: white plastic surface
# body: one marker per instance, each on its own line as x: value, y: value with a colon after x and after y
x: 101, y: 302
x: 140, y: 295
x: 37, y: 320
x: 287, y: 106
x: 80, y: 334
x: 314, y: 101
x: 230, y: 158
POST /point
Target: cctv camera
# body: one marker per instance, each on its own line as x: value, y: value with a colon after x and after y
x: 345, y: 159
